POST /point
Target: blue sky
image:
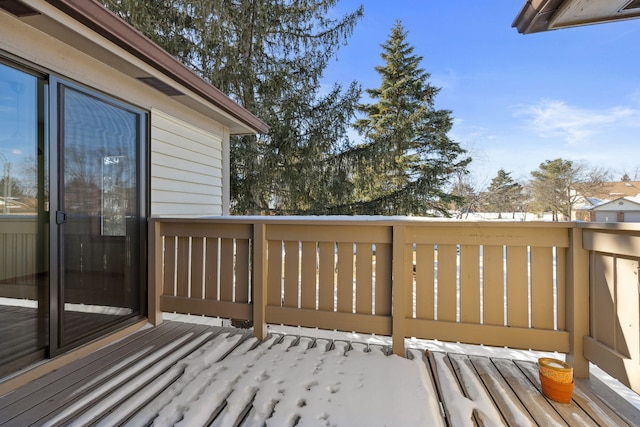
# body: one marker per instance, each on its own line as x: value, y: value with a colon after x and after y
x: 517, y: 100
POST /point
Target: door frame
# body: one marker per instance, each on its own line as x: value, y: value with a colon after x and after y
x: 56, y: 230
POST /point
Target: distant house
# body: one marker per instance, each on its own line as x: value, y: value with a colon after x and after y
x: 102, y: 129
x: 613, y: 202
x: 622, y: 209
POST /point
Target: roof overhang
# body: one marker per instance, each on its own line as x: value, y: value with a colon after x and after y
x: 164, y: 72
x: 545, y: 15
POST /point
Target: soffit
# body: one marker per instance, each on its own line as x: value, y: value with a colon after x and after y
x: 544, y: 15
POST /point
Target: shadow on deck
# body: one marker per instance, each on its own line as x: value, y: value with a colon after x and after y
x: 205, y: 375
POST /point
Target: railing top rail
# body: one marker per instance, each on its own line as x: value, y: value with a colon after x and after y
x: 610, y: 226
x: 369, y: 221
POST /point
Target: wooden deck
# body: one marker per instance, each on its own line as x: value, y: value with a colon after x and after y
x: 104, y: 388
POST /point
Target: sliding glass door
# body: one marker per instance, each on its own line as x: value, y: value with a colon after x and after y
x: 23, y: 218
x: 72, y: 215
x: 100, y: 212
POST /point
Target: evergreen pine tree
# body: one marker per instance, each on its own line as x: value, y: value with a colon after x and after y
x: 406, y: 161
x: 503, y: 193
x: 551, y: 185
x: 269, y: 56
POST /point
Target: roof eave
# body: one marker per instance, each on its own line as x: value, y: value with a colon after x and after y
x: 535, y: 16
x: 104, y: 22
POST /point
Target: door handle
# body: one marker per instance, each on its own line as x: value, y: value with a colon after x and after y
x: 61, y: 217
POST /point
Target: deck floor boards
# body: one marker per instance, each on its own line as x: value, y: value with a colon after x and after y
x: 492, y: 389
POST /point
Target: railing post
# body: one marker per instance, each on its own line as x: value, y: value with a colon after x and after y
x: 577, y: 302
x: 154, y: 280
x: 259, y: 280
x: 398, y: 290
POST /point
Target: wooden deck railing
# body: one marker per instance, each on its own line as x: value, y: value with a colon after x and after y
x: 614, y: 340
x: 502, y: 284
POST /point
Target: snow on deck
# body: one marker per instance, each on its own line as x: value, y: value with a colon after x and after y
x: 195, y: 375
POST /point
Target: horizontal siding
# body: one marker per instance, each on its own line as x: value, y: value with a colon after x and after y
x: 194, y: 167
x: 187, y: 152
x: 205, y: 189
x: 186, y: 168
x: 180, y: 176
x: 195, y: 145
x: 187, y: 210
x: 187, y: 198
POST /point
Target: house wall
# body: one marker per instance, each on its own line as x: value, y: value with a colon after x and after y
x: 178, y: 133
x: 618, y: 206
x: 187, y: 166
x: 618, y: 211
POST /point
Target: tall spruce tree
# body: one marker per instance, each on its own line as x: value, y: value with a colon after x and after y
x: 268, y: 55
x: 406, y: 161
x: 503, y: 193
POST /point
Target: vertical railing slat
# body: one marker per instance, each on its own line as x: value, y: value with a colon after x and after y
x: 291, y: 273
x: 197, y: 266
x: 383, y: 279
x: 274, y: 277
x: 182, y: 276
x: 469, y: 284
x: 169, y: 265
x: 226, y: 270
x: 364, y: 278
x: 242, y: 271
x: 542, y: 288
x: 447, y: 283
x: 425, y: 284
x: 326, y: 275
x: 400, y: 287
x: 211, y: 269
x: 518, y: 286
x: 561, y: 283
x: 603, y: 297
x: 309, y: 274
x: 345, y: 277
x: 493, y: 285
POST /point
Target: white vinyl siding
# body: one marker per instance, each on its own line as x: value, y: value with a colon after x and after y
x: 186, y: 168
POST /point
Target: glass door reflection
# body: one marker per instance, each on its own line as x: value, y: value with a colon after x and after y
x: 23, y: 218
x: 99, y: 214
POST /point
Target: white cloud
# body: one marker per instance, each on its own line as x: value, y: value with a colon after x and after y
x: 635, y: 96
x: 557, y: 119
x: 445, y: 80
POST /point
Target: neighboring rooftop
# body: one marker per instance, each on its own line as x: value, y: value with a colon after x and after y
x: 615, y: 190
